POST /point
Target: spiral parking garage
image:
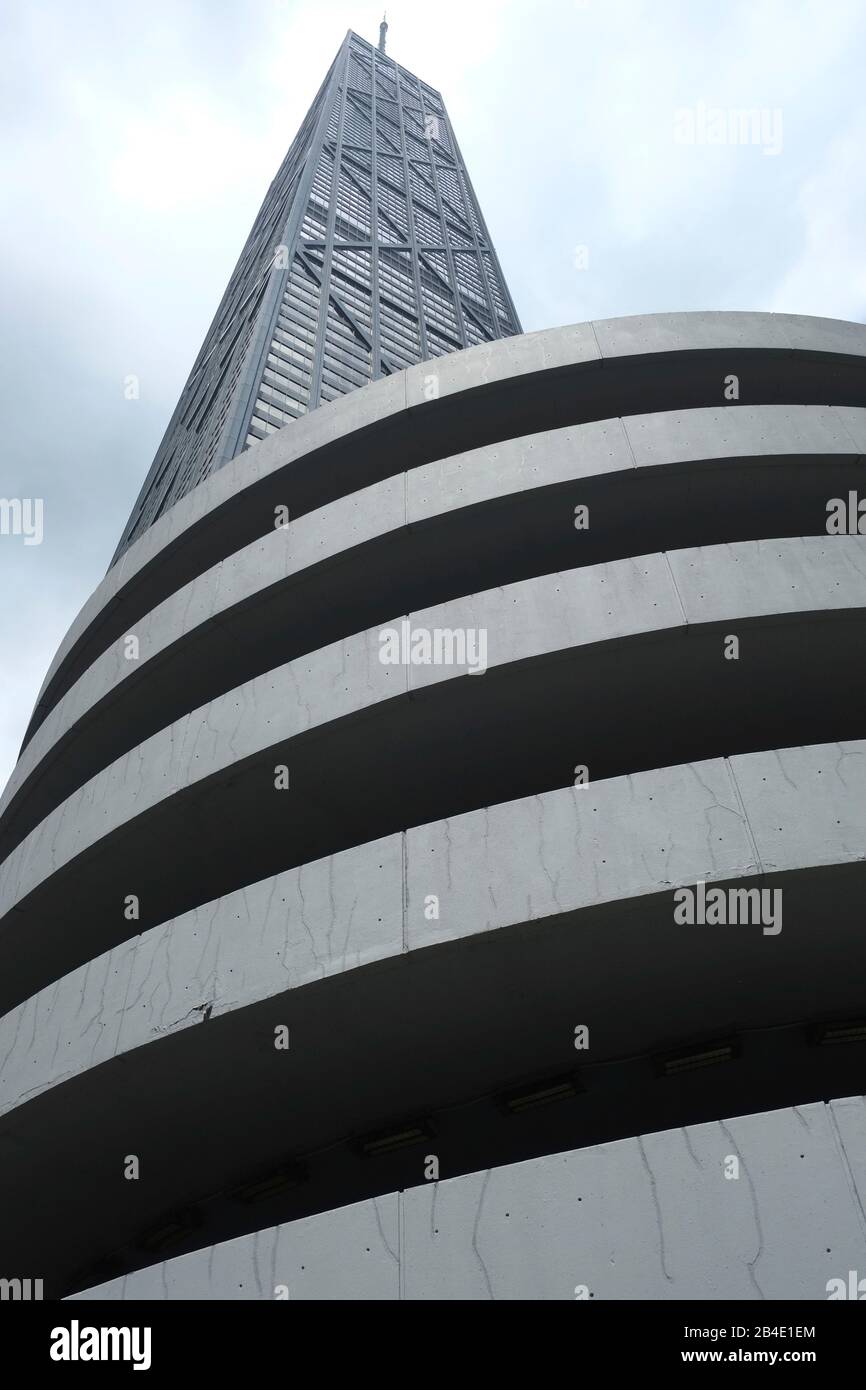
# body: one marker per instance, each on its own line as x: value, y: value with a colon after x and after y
x: 257, y: 824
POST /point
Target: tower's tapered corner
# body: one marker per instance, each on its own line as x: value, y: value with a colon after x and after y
x: 370, y: 253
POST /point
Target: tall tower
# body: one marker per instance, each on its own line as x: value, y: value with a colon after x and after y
x: 369, y: 254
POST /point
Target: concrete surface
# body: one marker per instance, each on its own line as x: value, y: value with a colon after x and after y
x: 433, y: 908
x: 516, y: 863
x: 652, y: 1217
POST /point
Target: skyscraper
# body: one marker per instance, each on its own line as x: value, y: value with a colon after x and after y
x: 369, y: 253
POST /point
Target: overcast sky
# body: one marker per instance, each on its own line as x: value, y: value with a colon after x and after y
x: 137, y: 143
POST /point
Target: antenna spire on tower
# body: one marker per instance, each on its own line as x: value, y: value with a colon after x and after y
x: 383, y: 29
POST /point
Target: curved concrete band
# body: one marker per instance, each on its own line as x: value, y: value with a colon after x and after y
x: 543, y: 856
x: 537, y: 381
x: 631, y: 1220
x: 414, y: 539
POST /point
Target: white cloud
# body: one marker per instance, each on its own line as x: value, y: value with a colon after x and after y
x: 828, y: 275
